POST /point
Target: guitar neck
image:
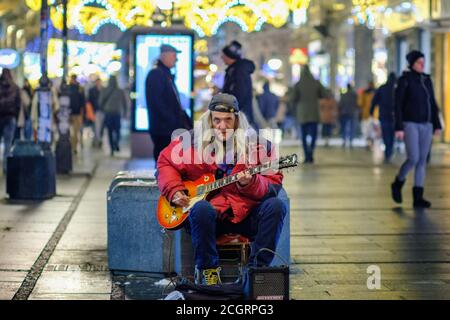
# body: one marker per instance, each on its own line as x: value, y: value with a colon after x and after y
x: 233, y: 178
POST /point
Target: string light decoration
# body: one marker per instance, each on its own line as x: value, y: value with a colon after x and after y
x: 203, y: 16
x: 368, y: 12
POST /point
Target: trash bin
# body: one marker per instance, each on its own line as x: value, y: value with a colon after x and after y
x: 31, y: 171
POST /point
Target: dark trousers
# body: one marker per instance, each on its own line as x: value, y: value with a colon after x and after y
x: 327, y: 129
x: 388, y: 133
x: 347, y: 128
x: 309, y: 129
x: 159, y: 142
x: 112, y: 124
x: 7, y: 130
x: 262, y: 226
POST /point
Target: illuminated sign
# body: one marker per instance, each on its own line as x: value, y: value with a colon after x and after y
x: 147, y: 54
x: 9, y: 58
x: 298, y: 56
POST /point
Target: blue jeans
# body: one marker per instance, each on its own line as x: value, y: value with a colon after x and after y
x: 7, y: 131
x: 388, y: 133
x: 347, y: 128
x: 262, y: 226
x: 309, y: 129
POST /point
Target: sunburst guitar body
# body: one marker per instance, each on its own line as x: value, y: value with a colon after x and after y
x: 172, y: 217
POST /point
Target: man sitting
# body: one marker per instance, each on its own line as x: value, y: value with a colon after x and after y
x: 220, y: 145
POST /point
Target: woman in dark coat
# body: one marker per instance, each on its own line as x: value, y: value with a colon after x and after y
x: 416, y: 118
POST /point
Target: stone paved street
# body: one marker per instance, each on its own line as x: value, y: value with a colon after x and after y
x: 342, y: 222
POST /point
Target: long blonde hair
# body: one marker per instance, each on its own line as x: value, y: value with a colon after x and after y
x: 205, y: 139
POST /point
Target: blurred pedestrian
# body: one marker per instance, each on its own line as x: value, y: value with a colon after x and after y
x: 24, y: 125
x: 28, y: 130
x: 99, y: 126
x: 77, y: 105
x: 328, y: 116
x: 306, y: 95
x: 365, y: 101
x: 238, y: 81
x: 416, y: 118
x: 268, y: 103
x: 348, y: 110
x: 163, y: 102
x: 112, y: 101
x: 288, y: 120
x: 9, y: 111
x: 384, y: 99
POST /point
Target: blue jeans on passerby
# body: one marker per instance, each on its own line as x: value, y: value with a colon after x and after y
x: 262, y: 226
x: 347, y: 128
x: 388, y: 133
x: 7, y: 131
x: 112, y: 124
x: 309, y: 129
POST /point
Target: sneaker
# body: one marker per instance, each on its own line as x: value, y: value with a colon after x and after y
x: 208, y: 277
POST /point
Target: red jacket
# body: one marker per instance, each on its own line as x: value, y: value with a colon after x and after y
x: 241, y: 199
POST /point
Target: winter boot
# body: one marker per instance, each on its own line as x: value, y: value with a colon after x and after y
x: 419, y: 201
x: 396, y: 188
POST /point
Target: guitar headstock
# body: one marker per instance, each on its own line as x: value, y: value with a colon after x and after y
x: 288, y: 161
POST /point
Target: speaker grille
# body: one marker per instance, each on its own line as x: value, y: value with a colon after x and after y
x: 270, y: 285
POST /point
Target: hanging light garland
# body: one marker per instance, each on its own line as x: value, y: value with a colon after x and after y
x: 203, y: 16
x: 368, y: 12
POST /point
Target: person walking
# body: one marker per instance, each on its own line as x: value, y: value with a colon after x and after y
x: 93, y: 98
x: 10, y: 101
x: 328, y: 115
x: 348, y: 110
x: 416, y: 117
x: 364, y: 102
x: 163, y: 102
x: 268, y: 103
x: 77, y: 104
x: 113, y: 102
x: 238, y: 81
x: 306, y: 95
x: 24, y: 122
x: 28, y: 129
x: 384, y: 99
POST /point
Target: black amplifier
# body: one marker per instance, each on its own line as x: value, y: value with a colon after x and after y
x: 268, y: 283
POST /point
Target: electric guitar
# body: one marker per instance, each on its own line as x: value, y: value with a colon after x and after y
x: 172, y: 217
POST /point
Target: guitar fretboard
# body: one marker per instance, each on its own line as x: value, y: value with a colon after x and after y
x: 233, y: 178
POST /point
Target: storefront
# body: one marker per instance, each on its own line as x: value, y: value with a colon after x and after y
x: 85, y: 59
